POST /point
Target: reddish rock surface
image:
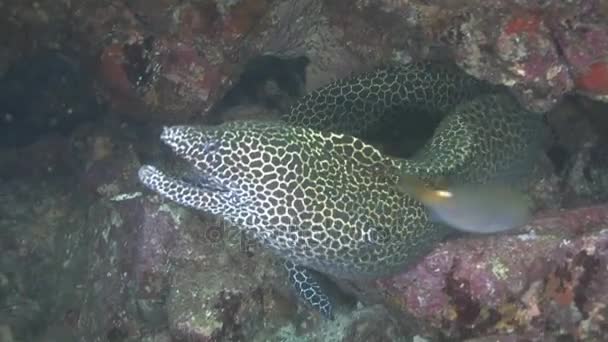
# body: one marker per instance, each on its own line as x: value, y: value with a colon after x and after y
x: 171, y: 61
x: 541, y: 51
x: 122, y: 264
x: 552, y: 274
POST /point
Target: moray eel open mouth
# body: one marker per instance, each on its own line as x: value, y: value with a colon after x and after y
x: 201, y: 148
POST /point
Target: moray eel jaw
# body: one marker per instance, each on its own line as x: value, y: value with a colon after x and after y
x: 195, y: 195
x: 209, y: 189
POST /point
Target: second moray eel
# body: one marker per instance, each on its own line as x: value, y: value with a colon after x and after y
x: 323, y: 199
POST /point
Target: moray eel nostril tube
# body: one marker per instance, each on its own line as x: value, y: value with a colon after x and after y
x: 325, y: 200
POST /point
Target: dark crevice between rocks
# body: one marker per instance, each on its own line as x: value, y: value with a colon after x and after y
x: 271, y: 82
x: 565, y: 338
x: 563, y: 273
x: 467, y: 308
x: 559, y: 157
x: 229, y: 306
x: 591, y: 267
x: 119, y: 332
x: 140, y: 67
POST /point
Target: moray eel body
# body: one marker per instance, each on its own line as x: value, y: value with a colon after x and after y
x: 360, y: 105
x: 323, y: 199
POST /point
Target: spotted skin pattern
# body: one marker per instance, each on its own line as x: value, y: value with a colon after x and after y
x: 327, y: 201
x: 309, y: 289
x: 360, y: 104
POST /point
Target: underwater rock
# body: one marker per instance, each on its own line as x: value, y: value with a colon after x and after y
x: 128, y: 241
x: 172, y: 61
x: 28, y: 27
x: 220, y: 297
x: 44, y: 94
x: 42, y: 261
x: 522, y: 51
x: 551, y: 274
x: 159, y: 78
x: 583, y: 38
x: 196, y: 51
x: 183, y: 66
x: 49, y: 156
x: 108, y: 310
x: 110, y: 167
x: 579, y: 151
x: 174, y: 71
x: 269, y: 81
x: 374, y: 323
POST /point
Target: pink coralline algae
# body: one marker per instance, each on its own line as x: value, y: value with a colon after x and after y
x: 552, y: 274
x: 169, y: 60
x: 172, y: 61
x: 159, y: 78
x: 541, y: 52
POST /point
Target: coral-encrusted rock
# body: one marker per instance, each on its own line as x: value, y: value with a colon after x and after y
x: 46, y: 157
x: 374, y: 323
x: 585, y: 47
x: 107, y: 308
x: 41, y: 255
x: 168, y: 74
x: 553, y: 275
x: 541, y: 50
x: 220, y: 289
x: 111, y: 170
x: 183, y: 66
x: 172, y: 61
x: 160, y: 78
x: 196, y: 51
x: 127, y: 240
x: 512, y: 46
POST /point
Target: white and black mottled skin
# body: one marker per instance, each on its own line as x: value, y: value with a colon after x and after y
x: 324, y: 199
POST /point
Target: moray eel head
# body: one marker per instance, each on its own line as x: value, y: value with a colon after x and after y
x: 323, y: 200
x: 219, y: 159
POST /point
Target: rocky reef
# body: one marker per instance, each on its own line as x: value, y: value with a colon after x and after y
x: 540, y: 49
x: 89, y: 255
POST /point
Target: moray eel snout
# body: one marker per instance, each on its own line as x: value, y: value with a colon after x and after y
x: 208, y: 185
x: 198, y: 145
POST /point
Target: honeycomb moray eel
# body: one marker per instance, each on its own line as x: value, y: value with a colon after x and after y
x: 322, y: 198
